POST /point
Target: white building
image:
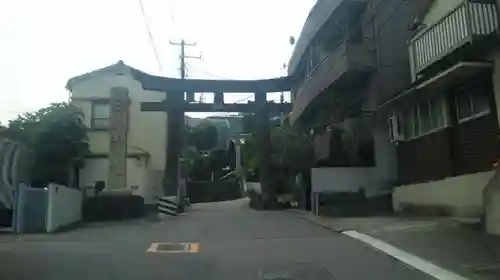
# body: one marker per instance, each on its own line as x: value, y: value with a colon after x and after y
x: 146, y: 131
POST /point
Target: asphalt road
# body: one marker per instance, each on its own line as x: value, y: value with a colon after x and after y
x: 229, y: 241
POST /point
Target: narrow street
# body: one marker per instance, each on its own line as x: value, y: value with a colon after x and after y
x: 228, y: 241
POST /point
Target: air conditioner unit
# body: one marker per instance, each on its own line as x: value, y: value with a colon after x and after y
x: 395, y: 131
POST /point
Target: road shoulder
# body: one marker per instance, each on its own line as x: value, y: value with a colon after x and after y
x: 452, y: 244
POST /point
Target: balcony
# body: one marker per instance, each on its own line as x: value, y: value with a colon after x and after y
x: 343, y: 67
x: 324, y: 17
x: 466, y: 25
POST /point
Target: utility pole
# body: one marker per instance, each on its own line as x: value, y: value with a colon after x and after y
x: 183, y: 56
x: 183, y: 68
x: 177, y: 122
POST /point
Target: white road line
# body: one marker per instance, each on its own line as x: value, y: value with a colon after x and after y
x: 407, y: 258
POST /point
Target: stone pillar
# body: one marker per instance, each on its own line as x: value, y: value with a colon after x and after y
x: 118, y: 126
x: 239, y: 167
x: 264, y: 144
x: 175, y: 143
x: 237, y: 153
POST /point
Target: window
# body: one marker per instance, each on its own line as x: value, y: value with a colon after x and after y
x: 471, y: 104
x: 100, y: 115
x: 313, y: 59
x: 438, y: 112
x: 425, y: 117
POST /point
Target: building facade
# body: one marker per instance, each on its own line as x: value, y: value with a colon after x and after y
x: 421, y: 77
x: 350, y: 55
x: 145, y: 141
x: 445, y: 124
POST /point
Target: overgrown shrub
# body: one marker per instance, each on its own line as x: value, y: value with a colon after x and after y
x: 58, y: 138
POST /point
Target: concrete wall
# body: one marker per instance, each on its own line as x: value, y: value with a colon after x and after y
x: 385, y: 154
x: 491, y: 200
x: 141, y: 178
x: 255, y: 186
x: 491, y: 194
x: 154, y: 189
x: 146, y: 131
x: 64, y: 207
x: 460, y: 196
x: 373, y: 180
x: 95, y: 169
x: 347, y: 179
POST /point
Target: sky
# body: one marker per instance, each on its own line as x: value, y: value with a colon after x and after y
x: 44, y: 43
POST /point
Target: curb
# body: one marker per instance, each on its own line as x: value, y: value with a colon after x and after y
x: 314, y: 220
x: 328, y: 227
x: 8, y: 240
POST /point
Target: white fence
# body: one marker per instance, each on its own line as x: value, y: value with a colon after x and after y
x: 348, y: 179
x: 64, y: 207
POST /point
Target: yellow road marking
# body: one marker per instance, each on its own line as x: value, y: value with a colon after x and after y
x: 194, y: 247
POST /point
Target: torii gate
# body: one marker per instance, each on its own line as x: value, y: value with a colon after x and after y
x: 176, y: 106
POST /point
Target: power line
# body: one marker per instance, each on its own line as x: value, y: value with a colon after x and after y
x: 172, y: 13
x: 182, y: 68
x: 225, y: 78
x: 209, y: 73
x: 244, y: 99
x: 151, y: 40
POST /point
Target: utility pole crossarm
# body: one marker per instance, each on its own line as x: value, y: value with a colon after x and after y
x: 194, y: 57
x: 183, y: 56
x: 182, y: 42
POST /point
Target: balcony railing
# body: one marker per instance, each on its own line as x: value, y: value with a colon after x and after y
x: 345, y: 67
x: 347, y: 56
x: 469, y: 21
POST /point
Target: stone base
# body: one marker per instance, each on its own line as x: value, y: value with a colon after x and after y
x: 116, y: 192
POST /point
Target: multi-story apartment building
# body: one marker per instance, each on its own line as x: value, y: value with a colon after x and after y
x: 445, y: 124
x: 419, y: 79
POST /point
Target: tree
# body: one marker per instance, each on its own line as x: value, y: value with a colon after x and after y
x: 291, y: 154
x: 58, y: 137
x: 188, y: 160
x: 203, y: 137
x: 291, y: 149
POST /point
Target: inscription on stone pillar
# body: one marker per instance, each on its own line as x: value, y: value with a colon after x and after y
x: 118, y: 126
